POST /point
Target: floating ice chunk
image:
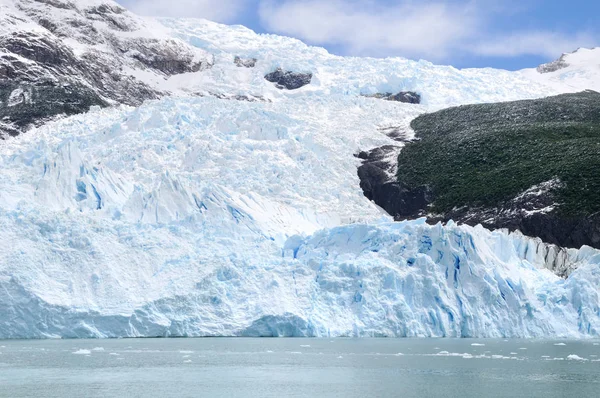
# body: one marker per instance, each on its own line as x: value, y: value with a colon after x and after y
x: 399, y: 354
x: 560, y: 344
x: 187, y: 361
x: 574, y: 357
x: 451, y: 354
x: 305, y: 345
x: 478, y: 345
x: 98, y: 349
x: 82, y: 352
x: 114, y: 354
x: 186, y: 352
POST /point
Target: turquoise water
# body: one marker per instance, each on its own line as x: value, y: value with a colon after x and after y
x: 299, y: 368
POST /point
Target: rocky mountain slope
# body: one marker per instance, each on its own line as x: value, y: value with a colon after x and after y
x: 61, y: 57
x: 529, y: 165
x: 233, y: 206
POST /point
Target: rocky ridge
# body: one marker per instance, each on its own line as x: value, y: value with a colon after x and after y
x: 61, y: 57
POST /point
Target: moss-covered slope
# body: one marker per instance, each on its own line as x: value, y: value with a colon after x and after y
x: 529, y: 165
x: 484, y: 155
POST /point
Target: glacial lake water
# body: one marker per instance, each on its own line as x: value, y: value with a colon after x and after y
x: 299, y: 368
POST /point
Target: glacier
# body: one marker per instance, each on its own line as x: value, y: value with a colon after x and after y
x: 203, y: 214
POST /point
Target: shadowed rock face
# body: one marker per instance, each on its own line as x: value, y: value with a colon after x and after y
x: 288, y: 80
x: 60, y: 57
x: 245, y: 62
x: 408, y: 97
x: 26, y: 105
x: 378, y: 182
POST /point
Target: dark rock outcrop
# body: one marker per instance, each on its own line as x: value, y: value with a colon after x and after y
x: 245, y: 62
x: 550, y: 227
x: 553, y: 66
x: 408, y: 97
x: 378, y: 182
x: 288, y: 80
x: 28, y: 104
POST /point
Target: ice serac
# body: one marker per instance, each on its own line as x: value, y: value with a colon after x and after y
x: 212, y: 215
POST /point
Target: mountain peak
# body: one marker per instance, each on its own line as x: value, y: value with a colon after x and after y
x: 62, y: 57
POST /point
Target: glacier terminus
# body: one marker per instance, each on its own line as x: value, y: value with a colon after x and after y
x: 219, y: 203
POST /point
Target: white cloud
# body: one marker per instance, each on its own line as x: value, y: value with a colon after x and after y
x: 437, y: 30
x: 215, y: 10
x: 365, y: 28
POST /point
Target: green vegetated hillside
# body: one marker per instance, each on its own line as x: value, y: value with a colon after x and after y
x: 484, y: 155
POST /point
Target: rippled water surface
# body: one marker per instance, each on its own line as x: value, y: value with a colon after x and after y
x: 299, y: 367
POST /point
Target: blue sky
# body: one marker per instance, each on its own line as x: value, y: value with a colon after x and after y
x: 507, y: 34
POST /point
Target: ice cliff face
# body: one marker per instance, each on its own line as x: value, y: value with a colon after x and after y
x: 234, y: 208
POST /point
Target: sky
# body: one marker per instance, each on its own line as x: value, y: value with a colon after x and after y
x: 507, y: 34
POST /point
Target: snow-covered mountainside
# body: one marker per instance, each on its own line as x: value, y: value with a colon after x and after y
x: 572, y: 72
x: 233, y: 207
x: 62, y: 57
